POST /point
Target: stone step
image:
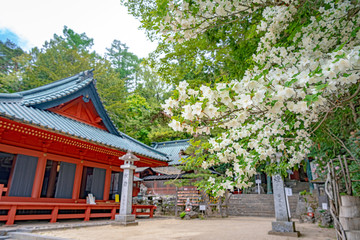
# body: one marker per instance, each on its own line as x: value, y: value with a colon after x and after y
x: 350, y: 223
x: 257, y: 205
x: 352, y: 235
x: 348, y: 201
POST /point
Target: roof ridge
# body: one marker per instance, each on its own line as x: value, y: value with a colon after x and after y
x: 52, y: 96
x: 10, y: 97
x: 169, y: 142
x: 82, y: 75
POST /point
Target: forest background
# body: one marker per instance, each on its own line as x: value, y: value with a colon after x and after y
x: 130, y: 90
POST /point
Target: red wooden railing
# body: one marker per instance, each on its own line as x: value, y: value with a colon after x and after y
x: 13, y: 213
x: 141, y: 207
x: 2, y: 190
x: 14, y: 207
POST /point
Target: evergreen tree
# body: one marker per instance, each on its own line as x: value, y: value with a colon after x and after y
x: 124, y: 62
x: 9, y: 51
x: 60, y: 57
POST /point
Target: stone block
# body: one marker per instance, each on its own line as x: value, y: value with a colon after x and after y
x: 353, y: 235
x: 285, y: 234
x: 125, y: 218
x: 280, y: 226
x: 284, y: 229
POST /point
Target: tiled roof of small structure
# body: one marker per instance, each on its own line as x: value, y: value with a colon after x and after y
x: 137, y: 179
x: 140, y: 169
x: 162, y: 177
x: 30, y: 107
x: 172, y: 149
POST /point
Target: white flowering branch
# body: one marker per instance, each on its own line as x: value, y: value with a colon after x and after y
x: 274, y: 106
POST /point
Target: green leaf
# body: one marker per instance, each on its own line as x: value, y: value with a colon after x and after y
x: 289, y: 83
x: 311, y: 98
x: 321, y: 87
x: 354, y: 32
x: 222, y: 108
x: 340, y: 47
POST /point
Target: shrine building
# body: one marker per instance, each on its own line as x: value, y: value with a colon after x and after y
x: 57, y: 145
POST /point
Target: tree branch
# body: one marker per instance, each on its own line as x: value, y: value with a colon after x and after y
x: 352, y: 96
x: 343, y: 144
x: 326, y: 115
x: 353, y: 111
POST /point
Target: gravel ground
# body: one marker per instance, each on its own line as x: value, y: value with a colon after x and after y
x: 243, y: 228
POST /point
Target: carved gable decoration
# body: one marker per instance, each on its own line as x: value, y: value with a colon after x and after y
x: 81, y: 109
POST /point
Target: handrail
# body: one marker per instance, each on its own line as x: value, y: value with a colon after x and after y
x: 56, y: 212
x: 2, y: 189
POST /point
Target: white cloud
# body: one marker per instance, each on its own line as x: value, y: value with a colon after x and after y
x: 36, y: 21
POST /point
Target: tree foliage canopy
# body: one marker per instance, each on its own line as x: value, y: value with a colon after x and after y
x: 274, y: 70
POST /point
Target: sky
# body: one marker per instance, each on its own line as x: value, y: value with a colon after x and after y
x: 30, y: 23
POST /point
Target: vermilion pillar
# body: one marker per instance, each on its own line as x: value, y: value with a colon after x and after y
x: 77, y: 181
x: 107, y: 184
x: 39, y: 177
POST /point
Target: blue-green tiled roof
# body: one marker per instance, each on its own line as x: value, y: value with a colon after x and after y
x: 67, y: 126
x: 30, y: 107
x: 172, y: 149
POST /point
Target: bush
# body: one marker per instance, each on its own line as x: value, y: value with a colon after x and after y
x: 182, y: 214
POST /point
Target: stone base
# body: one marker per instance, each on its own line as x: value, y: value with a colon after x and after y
x: 285, y: 234
x: 125, y: 223
x: 284, y: 229
x: 126, y: 220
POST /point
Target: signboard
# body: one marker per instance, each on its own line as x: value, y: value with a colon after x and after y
x: 288, y: 191
x: 258, y: 181
x: 202, y: 207
x: 324, y: 206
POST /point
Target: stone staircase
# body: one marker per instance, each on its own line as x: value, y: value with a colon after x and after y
x: 257, y: 205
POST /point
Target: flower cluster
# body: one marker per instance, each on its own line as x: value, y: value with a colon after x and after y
x: 274, y: 106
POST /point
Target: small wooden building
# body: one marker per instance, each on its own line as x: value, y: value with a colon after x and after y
x: 57, y: 145
x: 155, y: 178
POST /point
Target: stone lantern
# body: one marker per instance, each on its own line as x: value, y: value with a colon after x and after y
x: 125, y: 217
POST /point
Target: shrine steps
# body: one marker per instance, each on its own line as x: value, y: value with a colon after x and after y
x: 257, y: 205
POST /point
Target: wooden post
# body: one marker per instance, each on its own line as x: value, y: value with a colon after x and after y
x: 54, y: 215
x: 11, y: 176
x: 176, y: 202
x: 77, y: 181
x: 113, y: 213
x: 107, y: 184
x: 345, y: 176
x: 2, y: 189
x: 348, y: 180
x: 11, y: 216
x: 151, y: 212
x: 220, y: 208
x: 39, y: 177
x: 87, y: 214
